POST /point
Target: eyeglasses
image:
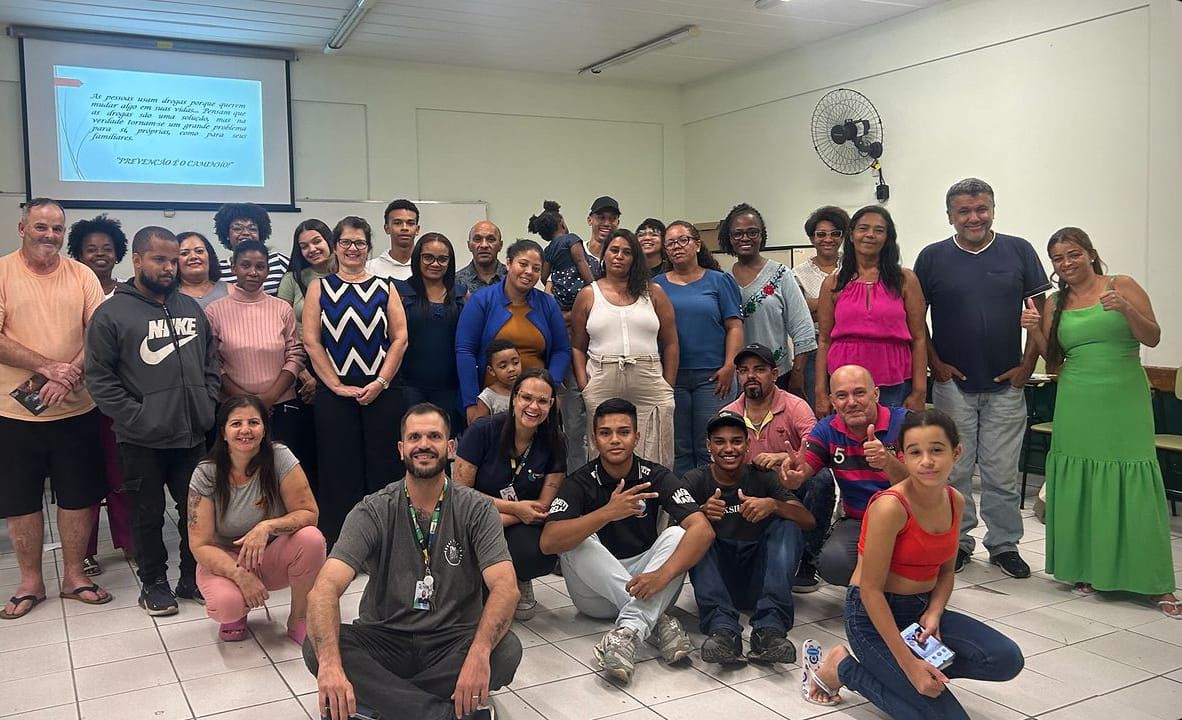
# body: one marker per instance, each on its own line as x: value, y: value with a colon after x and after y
x: 679, y: 241
x: 359, y: 244
x: 753, y: 233
x: 649, y: 231
x: 441, y: 260
x: 821, y: 234
x: 244, y: 228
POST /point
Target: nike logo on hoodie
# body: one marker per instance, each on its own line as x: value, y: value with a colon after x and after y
x: 185, y: 330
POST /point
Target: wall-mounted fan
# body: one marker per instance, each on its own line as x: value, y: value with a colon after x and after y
x: 847, y: 135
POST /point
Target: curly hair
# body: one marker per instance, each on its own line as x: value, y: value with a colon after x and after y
x: 228, y: 213
x: 546, y: 224
x: 724, y: 228
x: 835, y: 215
x: 101, y: 225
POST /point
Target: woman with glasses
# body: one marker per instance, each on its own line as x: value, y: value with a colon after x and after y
x: 706, y: 304
x: 872, y: 313
x: 774, y: 311
x: 432, y: 301
x: 650, y: 234
x: 518, y: 459
x: 355, y: 335
x: 825, y: 229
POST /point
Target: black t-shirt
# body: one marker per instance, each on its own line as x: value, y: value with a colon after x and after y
x: 590, y: 488
x: 754, y: 483
x: 481, y: 447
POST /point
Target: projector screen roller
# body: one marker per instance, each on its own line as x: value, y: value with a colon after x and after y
x: 123, y: 127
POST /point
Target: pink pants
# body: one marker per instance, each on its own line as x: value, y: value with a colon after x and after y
x: 289, y: 560
x: 118, y: 504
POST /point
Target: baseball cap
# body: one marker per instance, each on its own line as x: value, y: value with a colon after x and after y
x: 726, y: 418
x: 605, y: 202
x: 762, y: 352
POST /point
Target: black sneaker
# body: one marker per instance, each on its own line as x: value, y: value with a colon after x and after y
x: 806, y: 580
x: 723, y: 647
x: 769, y: 646
x: 188, y: 590
x: 484, y: 713
x: 157, y: 599
x: 962, y: 558
x: 1011, y: 563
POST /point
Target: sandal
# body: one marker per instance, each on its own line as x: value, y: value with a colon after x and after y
x: 16, y: 600
x: 233, y: 632
x: 91, y: 567
x: 76, y: 594
x: 1083, y: 590
x: 1176, y: 604
x: 809, y: 680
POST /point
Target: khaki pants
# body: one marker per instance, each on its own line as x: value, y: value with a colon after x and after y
x: 637, y: 379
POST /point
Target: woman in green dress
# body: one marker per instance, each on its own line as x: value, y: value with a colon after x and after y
x: 1107, y: 527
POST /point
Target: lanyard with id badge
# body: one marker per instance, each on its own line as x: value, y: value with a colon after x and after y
x: 425, y: 588
x: 518, y: 466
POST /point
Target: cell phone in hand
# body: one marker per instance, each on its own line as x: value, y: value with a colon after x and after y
x: 931, y: 651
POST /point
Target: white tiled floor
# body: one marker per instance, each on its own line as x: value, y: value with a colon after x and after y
x: 1086, y: 657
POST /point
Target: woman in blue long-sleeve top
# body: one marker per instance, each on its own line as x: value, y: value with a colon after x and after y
x: 512, y: 310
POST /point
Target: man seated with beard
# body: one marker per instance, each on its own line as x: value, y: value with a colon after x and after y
x: 758, y: 526
x: 424, y: 646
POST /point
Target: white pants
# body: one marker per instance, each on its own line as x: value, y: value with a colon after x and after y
x: 597, y: 580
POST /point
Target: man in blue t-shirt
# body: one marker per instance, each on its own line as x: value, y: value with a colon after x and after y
x: 975, y: 283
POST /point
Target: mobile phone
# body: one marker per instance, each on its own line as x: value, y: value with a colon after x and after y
x: 931, y: 651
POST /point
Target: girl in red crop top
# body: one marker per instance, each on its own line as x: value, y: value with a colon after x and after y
x: 905, y: 571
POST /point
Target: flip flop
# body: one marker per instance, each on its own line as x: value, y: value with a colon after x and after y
x: 76, y: 594
x: 1176, y: 604
x: 16, y: 600
x: 233, y: 632
x: 811, y: 649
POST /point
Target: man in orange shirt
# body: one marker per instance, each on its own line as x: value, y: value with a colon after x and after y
x: 50, y: 428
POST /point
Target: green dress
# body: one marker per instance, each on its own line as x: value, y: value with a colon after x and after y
x: 1106, y: 506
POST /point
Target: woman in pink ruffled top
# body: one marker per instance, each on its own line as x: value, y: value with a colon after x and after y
x: 871, y: 313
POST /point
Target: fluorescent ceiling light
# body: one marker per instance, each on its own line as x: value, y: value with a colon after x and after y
x: 348, y: 24
x: 765, y: 4
x: 679, y: 35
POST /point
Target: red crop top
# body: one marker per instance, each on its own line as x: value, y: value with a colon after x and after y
x: 918, y: 553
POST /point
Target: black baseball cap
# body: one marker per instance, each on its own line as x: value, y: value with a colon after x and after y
x: 605, y: 202
x: 726, y: 418
x: 762, y: 352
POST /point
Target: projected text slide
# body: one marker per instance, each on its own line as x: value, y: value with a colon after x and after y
x: 140, y: 127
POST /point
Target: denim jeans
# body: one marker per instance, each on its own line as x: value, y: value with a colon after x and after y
x: 894, y: 395
x: 982, y: 653
x: 991, y: 426
x: 738, y: 575
x: 147, y: 473
x: 818, y: 494
x: 810, y: 374
x: 574, y: 422
x: 839, y: 555
x: 694, y: 404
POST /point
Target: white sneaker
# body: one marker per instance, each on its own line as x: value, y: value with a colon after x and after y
x: 672, y: 640
x: 616, y: 653
x: 526, y: 605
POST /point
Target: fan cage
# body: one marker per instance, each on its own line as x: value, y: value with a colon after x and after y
x: 835, y: 108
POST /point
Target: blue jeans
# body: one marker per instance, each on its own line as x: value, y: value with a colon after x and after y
x: 982, y: 653
x: 991, y: 427
x: 694, y: 404
x: 738, y: 575
x: 818, y: 494
x: 810, y: 374
x: 894, y: 395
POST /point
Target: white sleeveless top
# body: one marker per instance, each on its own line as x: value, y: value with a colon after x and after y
x: 630, y: 330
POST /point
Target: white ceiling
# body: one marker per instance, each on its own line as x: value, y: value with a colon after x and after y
x: 530, y: 35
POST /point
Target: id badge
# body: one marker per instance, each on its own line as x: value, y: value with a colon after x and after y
x: 509, y: 493
x: 424, y: 589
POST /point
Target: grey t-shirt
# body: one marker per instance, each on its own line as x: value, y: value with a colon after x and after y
x: 245, y: 509
x: 377, y: 538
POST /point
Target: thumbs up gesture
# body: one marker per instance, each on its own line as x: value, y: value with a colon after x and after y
x: 714, y: 507
x: 755, y: 509
x: 1031, y: 319
x: 874, y: 450
x: 795, y: 469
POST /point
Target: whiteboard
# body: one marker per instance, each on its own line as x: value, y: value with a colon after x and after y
x: 452, y: 218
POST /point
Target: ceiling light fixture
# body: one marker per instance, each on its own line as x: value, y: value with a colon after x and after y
x: 348, y: 24
x: 679, y: 35
x: 766, y: 4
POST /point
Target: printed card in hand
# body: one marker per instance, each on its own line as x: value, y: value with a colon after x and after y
x: 28, y: 393
x: 934, y: 652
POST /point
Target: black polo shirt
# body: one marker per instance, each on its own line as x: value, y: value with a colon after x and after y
x: 754, y: 483
x: 481, y: 447
x: 590, y: 488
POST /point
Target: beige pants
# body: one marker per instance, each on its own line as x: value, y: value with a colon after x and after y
x: 637, y: 379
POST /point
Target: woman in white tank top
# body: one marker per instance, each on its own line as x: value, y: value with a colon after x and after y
x: 624, y: 343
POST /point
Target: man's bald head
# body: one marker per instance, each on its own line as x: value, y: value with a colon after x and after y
x: 484, y: 242
x: 854, y: 396
x: 847, y: 374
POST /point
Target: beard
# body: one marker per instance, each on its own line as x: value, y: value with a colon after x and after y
x: 158, y: 287
x: 426, y: 473
x: 753, y: 391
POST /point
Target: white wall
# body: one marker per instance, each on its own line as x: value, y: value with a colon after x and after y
x: 1053, y: 102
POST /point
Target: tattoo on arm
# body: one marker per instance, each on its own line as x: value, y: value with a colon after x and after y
x: 194, y: 503
x: 285, y: 527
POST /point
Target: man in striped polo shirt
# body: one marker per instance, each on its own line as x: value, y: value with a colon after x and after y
x: 859, y: 444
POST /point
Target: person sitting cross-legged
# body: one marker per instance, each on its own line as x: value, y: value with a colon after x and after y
x: 603, y: 526
x: 424, y: 646
x: 758, y: 526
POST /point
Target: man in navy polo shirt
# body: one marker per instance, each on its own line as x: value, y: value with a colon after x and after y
x: 975, y: 283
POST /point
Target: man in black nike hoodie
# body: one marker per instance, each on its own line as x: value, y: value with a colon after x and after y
x: 151, y: 367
